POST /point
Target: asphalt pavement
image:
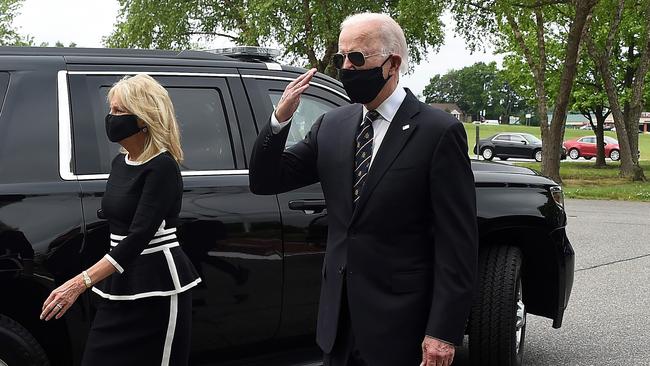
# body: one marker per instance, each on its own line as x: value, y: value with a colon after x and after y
x: 607, y: 321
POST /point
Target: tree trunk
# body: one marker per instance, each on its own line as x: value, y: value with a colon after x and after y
x: 600, y: 137
x: 598, y: 129
x: 635, y: 102
x: 553, y: 143
x: 602, y: 61
x: 627, y: 165
x: 627, y: 120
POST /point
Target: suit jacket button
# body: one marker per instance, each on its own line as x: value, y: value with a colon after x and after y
x: 341, y: 270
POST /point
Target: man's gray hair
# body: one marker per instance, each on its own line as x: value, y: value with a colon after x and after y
x: 389, y: 32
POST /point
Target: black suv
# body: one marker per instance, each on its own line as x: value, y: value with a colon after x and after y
x: 260, y: 257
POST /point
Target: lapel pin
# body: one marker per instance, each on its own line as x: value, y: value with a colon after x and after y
x: 405, y: 127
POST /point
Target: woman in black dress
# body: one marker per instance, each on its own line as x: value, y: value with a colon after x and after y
x: 144, y: 316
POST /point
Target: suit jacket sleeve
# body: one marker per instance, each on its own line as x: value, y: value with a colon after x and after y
x: 273, y: 169
x: 453, y: 199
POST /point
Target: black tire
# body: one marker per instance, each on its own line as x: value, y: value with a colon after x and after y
x: 503, y: 158
x: 588, y: 157
x: 18, y: 346
x: 487, y: 153
x: 615, y: 155
x: 497, y: 312
x: 574, y: 154
x: 537, y: 155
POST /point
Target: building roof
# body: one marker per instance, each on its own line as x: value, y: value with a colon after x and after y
x: 447, y: 107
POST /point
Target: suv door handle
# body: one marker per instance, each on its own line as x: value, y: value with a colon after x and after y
x: 309, y: 207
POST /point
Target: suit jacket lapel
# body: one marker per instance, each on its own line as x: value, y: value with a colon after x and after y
x: 395, y: 139
x: 347, y: 148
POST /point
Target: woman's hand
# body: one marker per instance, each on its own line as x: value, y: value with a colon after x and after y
x: 62, y: 298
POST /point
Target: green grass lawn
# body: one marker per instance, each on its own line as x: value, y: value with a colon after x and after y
x: 580, y: 179
x: 489, y: 130
x: 583, y: 180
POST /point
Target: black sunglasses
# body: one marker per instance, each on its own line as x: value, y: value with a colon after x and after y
x: 357, y: 58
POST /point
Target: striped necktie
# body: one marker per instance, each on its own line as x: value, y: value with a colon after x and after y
x: 364, y: 153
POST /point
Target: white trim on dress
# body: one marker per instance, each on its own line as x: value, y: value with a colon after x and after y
x: 135, y: 163
x: 146, y: 294
x: 114, y: 263
x: 171, y: 328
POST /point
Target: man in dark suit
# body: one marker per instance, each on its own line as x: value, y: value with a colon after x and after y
x: 402, y: 244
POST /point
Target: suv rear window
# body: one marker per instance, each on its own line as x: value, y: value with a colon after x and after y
x: 205, y: 137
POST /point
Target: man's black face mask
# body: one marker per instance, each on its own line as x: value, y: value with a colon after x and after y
x: 363, y: 86
x: 119, y: 127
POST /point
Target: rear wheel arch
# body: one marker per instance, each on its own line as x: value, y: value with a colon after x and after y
x: 539, y: 261
x: 18, y: 346
x: 24, y: 309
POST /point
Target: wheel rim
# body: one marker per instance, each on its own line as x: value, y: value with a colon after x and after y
x: 538, y: 156
x: 573, y: 154
x: 2, y: 363
x: 487, y: 153
x: 614, y: 155
x: 520, y: 321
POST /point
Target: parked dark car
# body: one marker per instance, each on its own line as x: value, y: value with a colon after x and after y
x: 260, y: 257
x: 506, y: 145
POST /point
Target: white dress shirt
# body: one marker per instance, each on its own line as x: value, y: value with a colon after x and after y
x: 386, y: 110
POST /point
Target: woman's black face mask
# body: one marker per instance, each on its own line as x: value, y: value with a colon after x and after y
x: 119, y: 127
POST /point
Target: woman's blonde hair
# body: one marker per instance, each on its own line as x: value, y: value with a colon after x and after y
x: 144, y: 97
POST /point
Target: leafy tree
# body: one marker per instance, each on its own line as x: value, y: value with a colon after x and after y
x: 60, y: 44
x: 9, y: 36
x: 305, y: 29
x: 541, y: 32
x: 621, y: 32
x: 590, y: 100
x: 443, y: 89
x: 476, y: 88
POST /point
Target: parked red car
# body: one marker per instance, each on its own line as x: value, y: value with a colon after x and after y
x: 586, y: 147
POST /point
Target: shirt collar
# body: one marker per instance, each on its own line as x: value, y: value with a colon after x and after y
x: 389, y: 107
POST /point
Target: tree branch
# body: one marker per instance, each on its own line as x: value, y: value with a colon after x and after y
x: 309, y: 35
x: 476, y: 6
x: 528, y: 55
x: 541, y: 42
x: 540, y: 4
x: 613, y: 30
x: 218, y: 34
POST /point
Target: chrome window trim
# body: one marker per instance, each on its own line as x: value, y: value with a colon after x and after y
x: 192, y: 173
x: 283, y: 78
x: 246, y: 76
x: 65, y: 128
x: 160, y: 73
x: 65, y: 121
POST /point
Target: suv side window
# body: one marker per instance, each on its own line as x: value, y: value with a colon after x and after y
x: 314, y: 102
x: 307, y: 113
x: 200, y: 112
